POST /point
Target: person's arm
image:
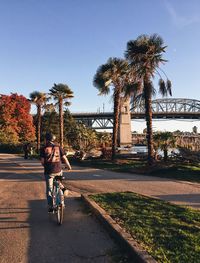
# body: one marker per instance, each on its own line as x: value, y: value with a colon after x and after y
x: 42, y: 161
x: 65, y: 161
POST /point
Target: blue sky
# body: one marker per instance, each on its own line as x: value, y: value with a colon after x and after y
x: 48, y: 41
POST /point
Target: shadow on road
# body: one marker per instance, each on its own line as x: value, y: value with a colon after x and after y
x: 78, y: 240
x: 9, y: 171
x: 13, y: 218
x: 10, y: 168
x: 192, y: 199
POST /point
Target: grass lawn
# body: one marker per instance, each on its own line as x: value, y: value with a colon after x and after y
x: 168, y: 232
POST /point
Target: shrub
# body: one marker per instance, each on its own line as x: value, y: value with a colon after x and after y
x: 11, y: 148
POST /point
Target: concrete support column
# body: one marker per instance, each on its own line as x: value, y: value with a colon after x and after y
x: 125, y: 136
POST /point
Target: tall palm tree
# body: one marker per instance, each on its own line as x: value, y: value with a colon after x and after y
x: 61, y: 93
x: 145, y: 55
x: 112, y: 75
x: 39, y: 99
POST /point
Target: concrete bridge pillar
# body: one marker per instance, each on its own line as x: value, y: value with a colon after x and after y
x: 124, y: 136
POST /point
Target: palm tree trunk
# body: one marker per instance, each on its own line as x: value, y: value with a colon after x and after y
x: 148, y: 115
x: 61, y: 121
x: 116, y: 123
x: 38, y: 127
x: 165, y: 154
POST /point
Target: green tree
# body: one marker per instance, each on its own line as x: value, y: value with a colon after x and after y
x: 50, y: 120
x: 145, y: 55
x: 61, y: 93
x: 105, y: 139
x: 164, y: 141
x: 70, y: 130
x: 39, y: 99
x: 78, y: 135
x: 112, y: 76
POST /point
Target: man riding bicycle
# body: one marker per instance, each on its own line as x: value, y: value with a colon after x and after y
x: 52, y: 156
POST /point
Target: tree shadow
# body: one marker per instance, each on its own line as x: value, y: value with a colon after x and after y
x: 192, y: 200
x: 73, y: 242
x: 98, y: 174
x: 15, y: 220
x: 10, y: 170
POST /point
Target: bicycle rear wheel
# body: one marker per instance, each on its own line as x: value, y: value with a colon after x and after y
x: 61, y: 205
x: 60, y: 213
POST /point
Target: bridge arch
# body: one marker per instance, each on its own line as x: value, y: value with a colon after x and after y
x: 169, y: 108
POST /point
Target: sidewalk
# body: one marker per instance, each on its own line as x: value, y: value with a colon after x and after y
x: 87, y: 180
x: 28, y: 234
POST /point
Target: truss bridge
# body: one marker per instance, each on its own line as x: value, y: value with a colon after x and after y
x: 102, y: 120
x: 161, y: 109
x: 170, y: 109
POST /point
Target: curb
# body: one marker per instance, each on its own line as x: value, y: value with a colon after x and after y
x: 123, y: 238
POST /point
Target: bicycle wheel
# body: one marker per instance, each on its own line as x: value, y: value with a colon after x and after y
x: 60, y: 213
x: 54, y: 198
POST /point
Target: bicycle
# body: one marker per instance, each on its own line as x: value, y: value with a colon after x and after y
x: 58, y: 199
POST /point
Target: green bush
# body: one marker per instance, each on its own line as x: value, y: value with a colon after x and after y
x: 11, y: 148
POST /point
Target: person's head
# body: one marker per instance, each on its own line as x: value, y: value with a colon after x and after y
x: 50, y: 137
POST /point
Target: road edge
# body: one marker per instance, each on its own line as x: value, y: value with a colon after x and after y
x: 123, y: 238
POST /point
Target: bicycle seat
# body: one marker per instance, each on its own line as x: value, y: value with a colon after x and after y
x: 59, y: 178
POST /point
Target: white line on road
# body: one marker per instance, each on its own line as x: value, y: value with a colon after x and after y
x: 97, y: 175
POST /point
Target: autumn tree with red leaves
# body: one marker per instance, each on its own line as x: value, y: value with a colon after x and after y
x: 16, y: 122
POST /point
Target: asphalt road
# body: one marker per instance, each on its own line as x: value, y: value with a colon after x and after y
x: 89, y: 180
x: 28, y: 234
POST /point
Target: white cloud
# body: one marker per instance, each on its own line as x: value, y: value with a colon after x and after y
x: 180, y: 21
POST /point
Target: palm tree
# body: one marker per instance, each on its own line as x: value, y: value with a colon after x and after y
x: 39, y: 99
x: 61, y: 93
x: 145, y: 56
x: 112, y: 75
x: 164, y: 141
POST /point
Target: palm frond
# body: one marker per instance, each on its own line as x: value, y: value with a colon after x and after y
x: 110, y: 75
x: 165, y: 87
x: 137, y: 101
x: 105, y: 90
x: 162, y: 87
x: 38, y: 97
x: 169, y: 87
x: 145, y: 54
x: 100, y: 84
x: 132, y: 89
x: 157, y: 41
x: 61, y: 90
x: 67, y: 103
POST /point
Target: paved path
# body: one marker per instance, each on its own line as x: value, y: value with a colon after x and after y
x: 29, y: 235
x: 89, y: 180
